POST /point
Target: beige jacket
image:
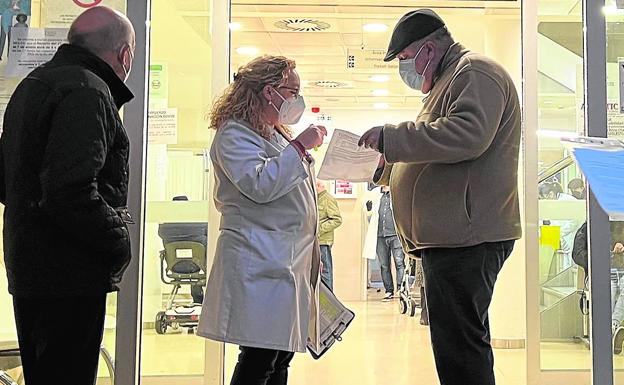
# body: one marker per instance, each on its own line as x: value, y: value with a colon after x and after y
x: 453, y: 172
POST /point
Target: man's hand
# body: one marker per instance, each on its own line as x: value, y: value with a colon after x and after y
x: 370, y: 139
x: 382, y: 162
x: 618, y: 248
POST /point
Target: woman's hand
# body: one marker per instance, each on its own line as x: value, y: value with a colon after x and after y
x: 312, y: 136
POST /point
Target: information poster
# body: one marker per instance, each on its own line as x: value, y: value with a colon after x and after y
x: 343, y: 189
x: 370, y: 59
x: 158, y: 86
x: 615, y: 120
x: 6, y: 90
x: 163, y: 126
x: 61, y: 13
x: 31, y: 47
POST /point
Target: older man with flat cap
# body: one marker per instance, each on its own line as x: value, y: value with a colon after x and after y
x: 64, y: 183
x: 453, y: 174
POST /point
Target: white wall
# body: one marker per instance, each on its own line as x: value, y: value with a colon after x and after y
x: 508, y: 308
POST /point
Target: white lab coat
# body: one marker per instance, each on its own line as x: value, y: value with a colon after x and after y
x: 369, y: 251
x: 263, y: 288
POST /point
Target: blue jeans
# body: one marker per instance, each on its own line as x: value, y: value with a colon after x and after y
x: 387, y: 247
x: 327, y: 274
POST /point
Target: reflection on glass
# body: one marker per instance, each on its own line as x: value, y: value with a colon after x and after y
x: 177, y: 191
x: 615, y: 130
x: 563, y: 316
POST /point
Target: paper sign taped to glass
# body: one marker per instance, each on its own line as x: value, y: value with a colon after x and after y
x: 602, y: 162
x: 334, y: 320
x: 345, y: 160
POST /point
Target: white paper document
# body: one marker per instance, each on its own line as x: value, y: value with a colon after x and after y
x: 345, y: 160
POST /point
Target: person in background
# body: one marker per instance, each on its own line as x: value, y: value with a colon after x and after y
x: 577, y: 188
x: 64, y: 183
x: 454, y: 182
x: 329, y: 220
x: 5, y: 25
x: 389, y: 246
x: 580, y: 255
x: 263, y: 289
x: 21, y: 21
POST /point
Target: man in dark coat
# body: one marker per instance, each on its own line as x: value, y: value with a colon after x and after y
x: 64, y: 182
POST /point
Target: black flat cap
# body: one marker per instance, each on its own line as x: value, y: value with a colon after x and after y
x: 413, y: 26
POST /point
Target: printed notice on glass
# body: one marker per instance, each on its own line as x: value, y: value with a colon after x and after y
x: 345, y: 160
x: 31, y: 47
x: 61, y: 13
x: 163, y: 126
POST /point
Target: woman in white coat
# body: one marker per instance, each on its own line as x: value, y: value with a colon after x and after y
x: 262, y: 293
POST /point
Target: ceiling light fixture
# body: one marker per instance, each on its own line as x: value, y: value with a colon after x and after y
x: 379, y: 78
x: 247, y: 51
x: 234, y: 26
x: 302, y: 25
x: 329, y: 84
x: 375, y: 27
x: 381, y: 106
x: 610, y: 10
x: 545, y: 133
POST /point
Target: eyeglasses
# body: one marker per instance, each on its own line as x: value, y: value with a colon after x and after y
x: 294, y: 91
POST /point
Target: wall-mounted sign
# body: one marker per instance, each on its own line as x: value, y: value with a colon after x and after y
x: 370, y: 59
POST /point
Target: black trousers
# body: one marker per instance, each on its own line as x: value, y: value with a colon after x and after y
x: 60, y: 338
x: 262, y: 367
x: 459, y: 287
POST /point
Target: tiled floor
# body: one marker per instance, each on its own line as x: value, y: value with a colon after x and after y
x: 381, y: 347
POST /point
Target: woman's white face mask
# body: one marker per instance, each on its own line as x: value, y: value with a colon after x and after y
x: 407, y: 70
x: 291, y: 110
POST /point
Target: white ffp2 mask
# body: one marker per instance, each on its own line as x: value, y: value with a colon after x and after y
x: 291, y: 110
x: 407, y: 70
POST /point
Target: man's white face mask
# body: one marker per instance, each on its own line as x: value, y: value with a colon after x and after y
x: 407, y: 70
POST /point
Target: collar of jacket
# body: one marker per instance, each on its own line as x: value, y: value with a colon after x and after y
x: 74, y: 55
x: 452, y: 56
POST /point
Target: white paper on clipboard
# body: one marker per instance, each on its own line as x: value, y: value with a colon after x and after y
x: 334, y: 320
x: 602, y: 162
x: 345, y: 160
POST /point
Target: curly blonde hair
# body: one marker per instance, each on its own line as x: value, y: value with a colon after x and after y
x: 243, y: 100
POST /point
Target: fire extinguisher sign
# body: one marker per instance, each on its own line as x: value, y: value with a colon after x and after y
x: 87, y: 3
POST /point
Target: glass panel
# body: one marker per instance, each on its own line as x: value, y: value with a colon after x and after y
x: 40, y: 14
x: 177, y: 192
x: 615, y: 77
x: 562, y: 212
x: 356, y: 98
